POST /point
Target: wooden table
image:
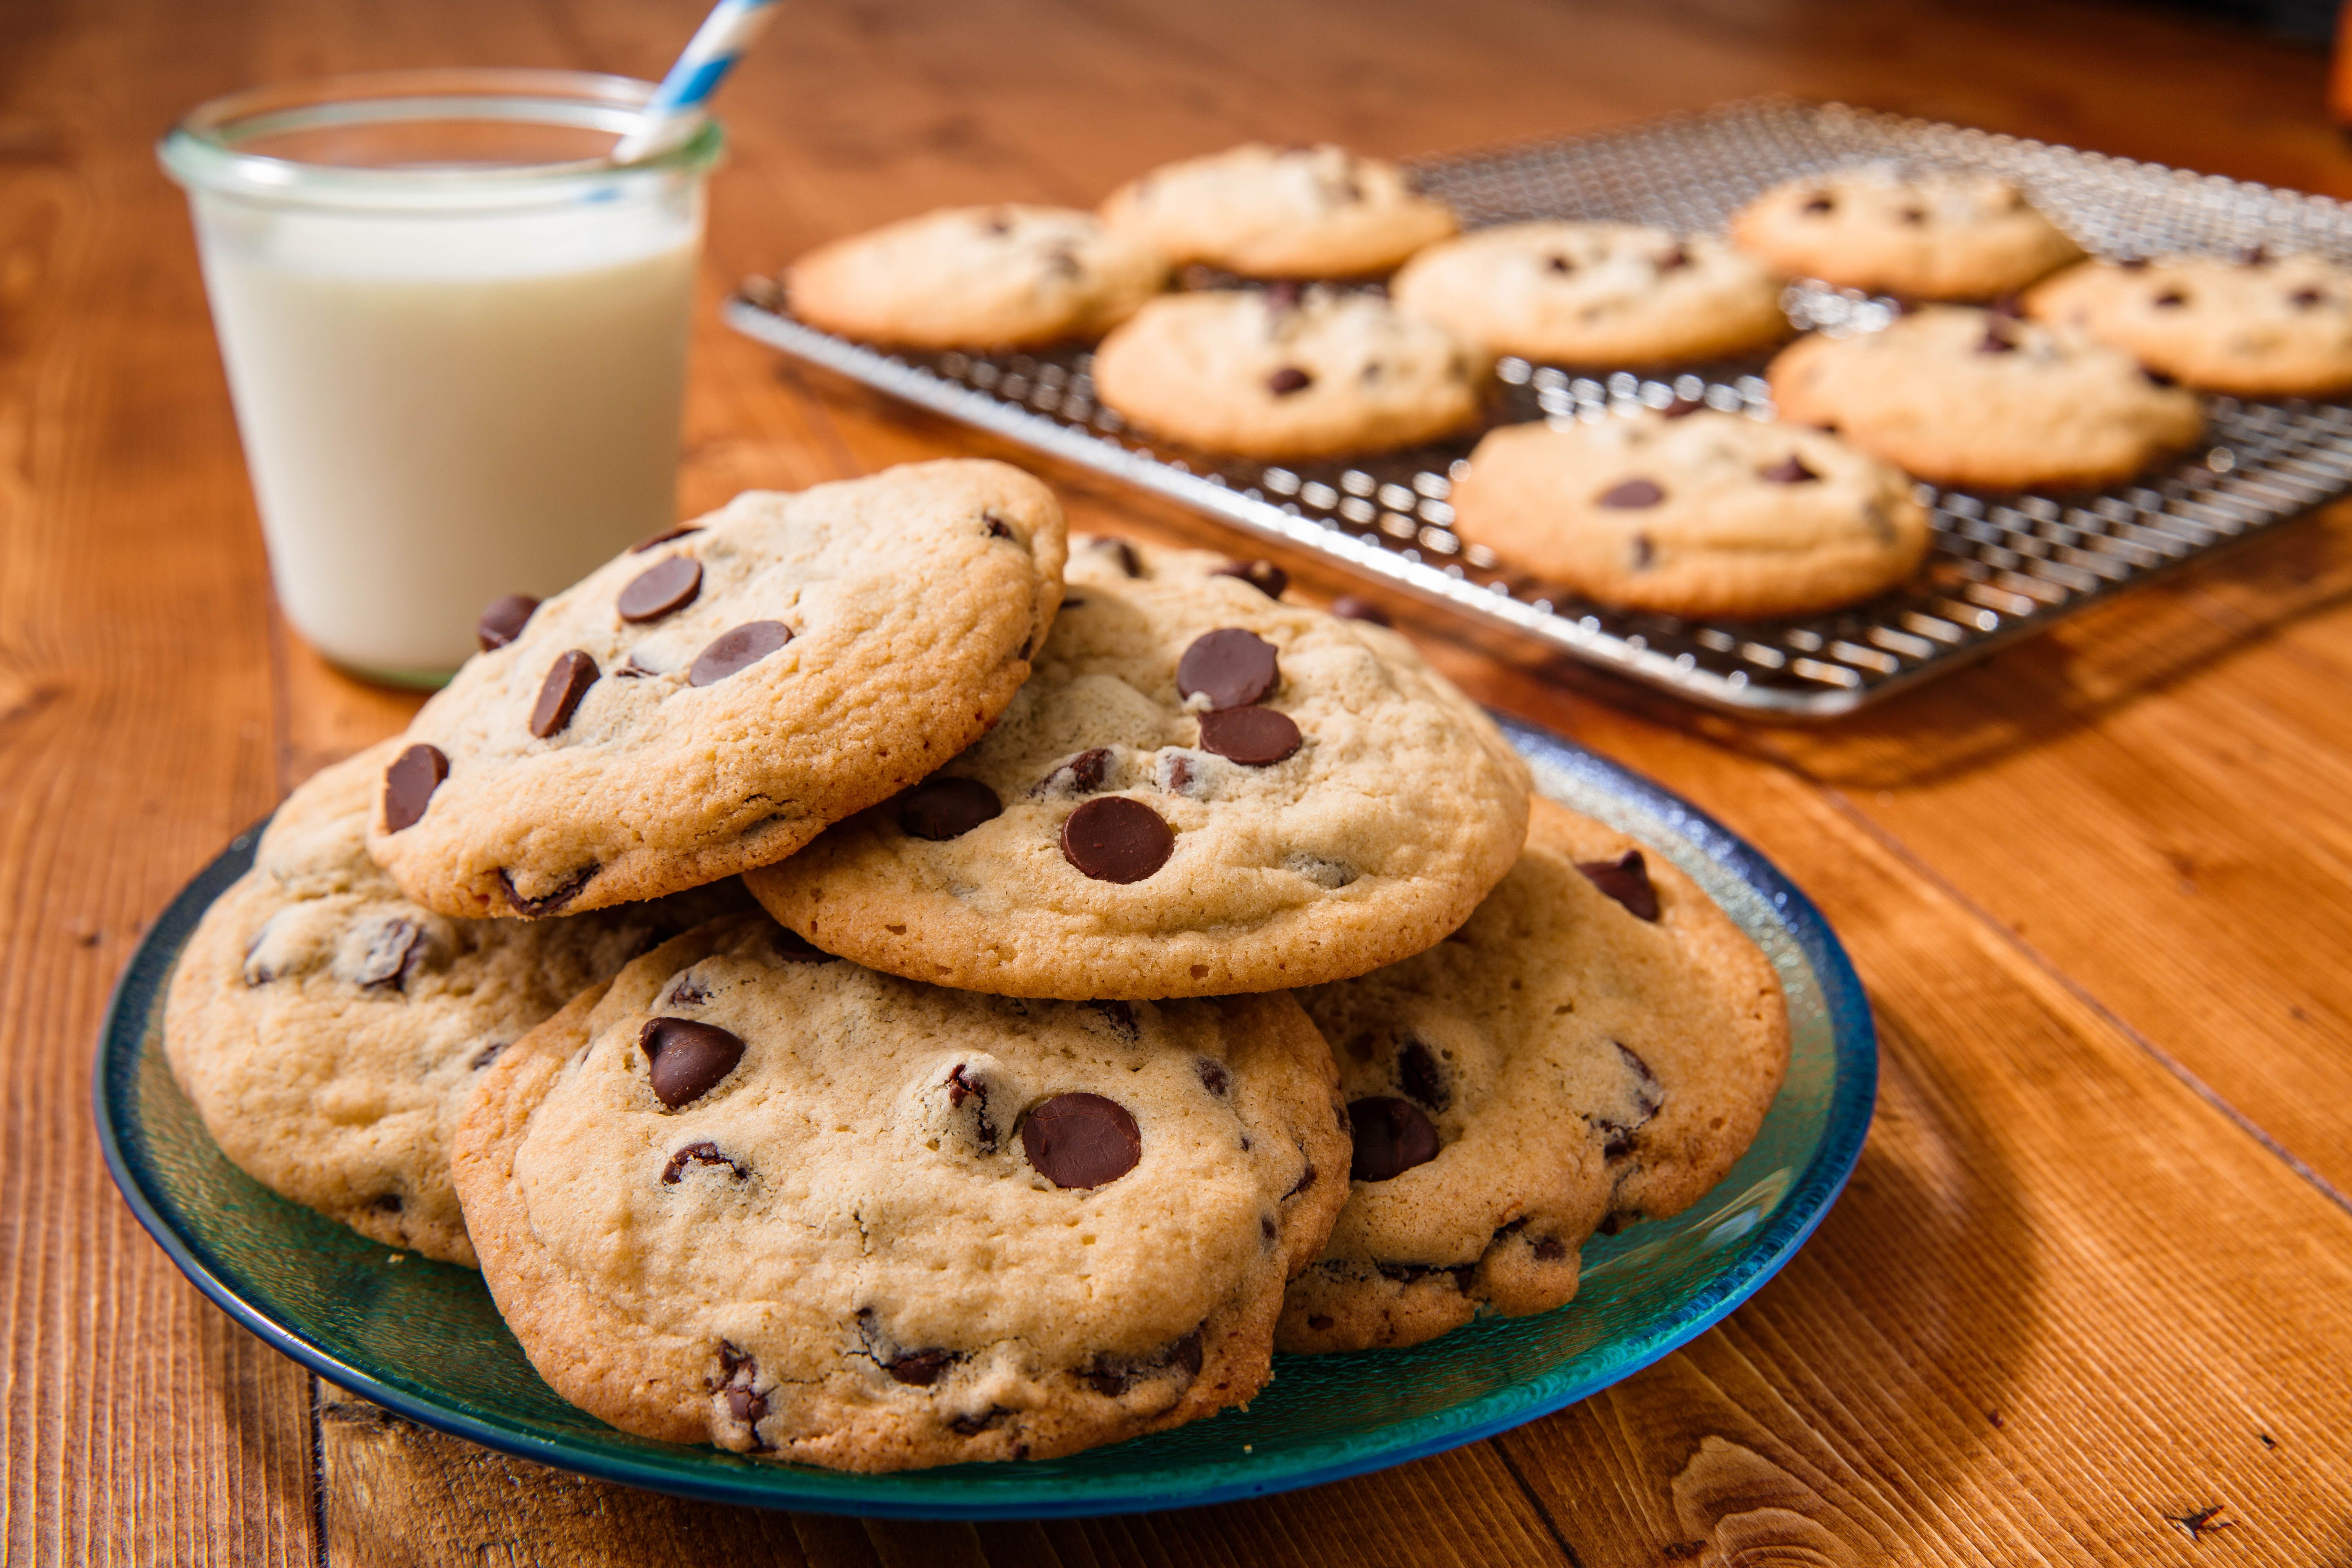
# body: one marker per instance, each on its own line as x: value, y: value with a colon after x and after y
x: 2089, y: 1297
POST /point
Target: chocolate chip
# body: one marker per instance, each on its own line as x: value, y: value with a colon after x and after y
x: 1266, y: 1227
x: 2305, y: 299
x: 503, y: 620
x: 686, y: 990
x: 1788, y: 470
x: 1120, y: 551
x: 1818, y: 204
x: 1081, y: 1139
x: 548, y: 903
x: 1643, y: 551
x: 1348, y: 607
x: 1264, y: 575
x: 1548, y: 1248
x: 1121, y: 1019
x: 2008, y: 307
x: 1649, y: 1094
x: 2170, y: 298
x: 1230, y: 667
x: 1674, y: 259
x: 1254, y: 737
x: 2254, y: 255
x: 392, y: 948
x: 962, y: 1088
x: 1214, y: 1076
x: 1627, y: 494
x: 1625, y: 880
x: 386, y: 1203
x: 1318, y: 1321
x: 1915, y: 215
x: 667, y: 585
x: 1116, y: 838
x: 2133, y: 263
x: 1305, y: 1180
x: 642, y: 545
x: 568, y: 681
x: 918, y: 1368
x: 699, y: 1155
x: 1111, y: 1375
x: 747, y: 1405
x: 1391, y: 1137
x: 997, y: 527
x: 1559, y: 264
x: 974, y: 1425
x: 940, y: 808
x: 1083, y: 774
x: 740, y: 649
x: 687, y: 1060
x: 1281, y: 297
x: 488, y: 1054
x: 1681, y: 408
x: 409, y: 783
x: 2157, y: 377
x: 1996, y: 340
x: 1186, y: 1353
x: 1289, y: 379
x: 1176, y: 773
x: 1421, y: 1077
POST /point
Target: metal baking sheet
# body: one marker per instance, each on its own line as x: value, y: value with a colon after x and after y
x: 2003, y: 567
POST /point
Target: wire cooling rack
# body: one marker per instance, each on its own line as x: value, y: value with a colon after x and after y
x: 2003, y: 567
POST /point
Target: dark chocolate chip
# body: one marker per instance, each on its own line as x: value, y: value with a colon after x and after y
x: 1179, y: 775
x: 1081, y: 1139
x: 1649, y: 1094
x: 1289, y: 379
x: 1625, y: 880
x: 488, y: 1054
x: 667, y: 585
x: 1643, y: 551
x: 1305, y: 1180
x: 2157, y: 377
x: 974, y: 1425
x: 1230, y: 667
x: 686, y: 991
x: 547, y: 905
x: 1254, y: 737
x: 940, y: 808
x: 747, y: 1405
x: 1120, y: 551
x: 503, y: 620
x: 1264, y: 575
x: 1186, y: 1353
x: 704, y: 1154
x: 1084, y: 773
x: 1116, y: 838
x: 2133, y: 263
x: 1559, y: 264
x: 1392, y: 1136
x: 1674, y: 259
x: 1682, y: 408
x: 409, y: 783
x: 1421, y: 1077
x: 1818, y: 204
x: 740, y: 649
x: 918, y: 1368
x: 1214, y: 1076
x: 2169, y: 300
x: 1318, y: 1321
x: 1282, y: 296
x: 1996, y: 340
x: 386, y: 1203
x: 642, y: 545
x: 1788, y: 470
x: 1915, y: 215
x: 1548, y: 1248
x: 961, y: 1088
x: 1627, y: 494
x: 1121, y: 1017
x: 2305, y: 299
x: 393, y: 946
x: 1348, y: 607
x: 997, y: 527
x: 1266, y: 1227
x: 568, y: 681
x: 687, y: 1060
x: 2254, y: 255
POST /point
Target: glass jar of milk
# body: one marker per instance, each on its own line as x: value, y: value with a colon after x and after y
x: 454, y: 330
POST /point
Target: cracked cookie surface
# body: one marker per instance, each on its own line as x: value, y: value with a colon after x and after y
x: 2255, y: 326
x: 1203, y: 791
x: 1927, y: 236
x: 1598, y: 1043
x: 1261, y: 211
x: 711, y: 700
x: 755, y: 1196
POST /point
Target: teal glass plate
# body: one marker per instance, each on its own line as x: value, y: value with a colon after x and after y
x: 423, y: 1338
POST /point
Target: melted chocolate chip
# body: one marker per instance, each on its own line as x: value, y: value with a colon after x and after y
x: 503, y: 620
x: 740, y: 649
x: 1083, y: 774
x: 1230, y: 667
x: 393, y: 946
x: 548, y: 903
x: 1287, y: 380
x: 940, y: 808
x: 974, y: 1425
x: 1548, y: 1248
x: 1081, y: 1139
x: 1421, y: 1077
x: 1788, y: 470
x: 1649, y: 1094
x: 962, y: 1088
x: 1625, y: 880
x: 918, y: 1368
x: 1627, y: 494
x: 1116, y: 838
x: 1348, y: 607
x: 667, y: 585
x: 642, y: 545
x: 568, y: 681
x: 1264, y: 575
x: 1392, y: 1136
x: 1120, y: 551
x: 1111, y: 1376
x: 997, y: 527
x: 687, y: 1060
x: 705, y: 1153
x: 750, y: 1407
x: 409, y: 783
x: 1214, y: 1076
x: 1254, y: 737
x: 1121, y: 1019
x: 2169, y: 300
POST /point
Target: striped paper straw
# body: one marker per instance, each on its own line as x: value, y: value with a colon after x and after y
x: 732, y: 26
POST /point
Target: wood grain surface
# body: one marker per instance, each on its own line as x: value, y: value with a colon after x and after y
x: 2089, y: 1297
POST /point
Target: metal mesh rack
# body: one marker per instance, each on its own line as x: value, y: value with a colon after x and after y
x: 2003, y: 567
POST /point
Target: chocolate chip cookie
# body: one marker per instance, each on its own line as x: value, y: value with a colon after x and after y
x: 1921, y: 235
x: 713, y: 698
x: 2252, y: 325
x: 979, y: 278
x: 753, y: 1197
x: 1598, y: 1044
x: 327, y: 1031
x: 1280, y: 372
x: 1965, y: 396
x: 1694, y: 512
x: 1203, y: 791
x: 1280, y: 212
x: 1595, y: 294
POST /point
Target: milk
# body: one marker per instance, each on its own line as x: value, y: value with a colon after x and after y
x: 438, y: 409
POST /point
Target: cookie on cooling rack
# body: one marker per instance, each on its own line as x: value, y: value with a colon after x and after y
x: 1595, y: 294
x: 1598, y: 1043
x: 1965, y: 396
x: 1280, y: 212
x: 1694, y: 513
x: 1923, y: 237
x: 753, y: 1197
x: 1203, y: 791
x: 977, y: 277
x: 1281, y: 373
x: 2253, y: 326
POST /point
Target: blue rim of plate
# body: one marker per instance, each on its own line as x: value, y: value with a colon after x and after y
x: 1688, y: 836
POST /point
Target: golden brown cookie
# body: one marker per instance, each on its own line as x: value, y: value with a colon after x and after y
x: 2253, y: 326
x: 1923, y: 237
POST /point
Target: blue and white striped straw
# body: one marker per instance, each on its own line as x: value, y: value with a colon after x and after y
x: 732, y: 26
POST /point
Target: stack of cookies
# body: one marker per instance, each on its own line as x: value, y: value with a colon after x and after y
x: 870, y: 987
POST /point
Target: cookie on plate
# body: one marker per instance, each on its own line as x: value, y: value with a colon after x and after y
x: 1600, y: 1043
x: 1000, y: 277
x: 1280, y: 372
x: 1595, y: 294
x: 1203, y: 791
x: 1923, y: 237
x: 711, y: 700
x: 1694, y: 513
x: 327, y: 1031
x: 1965, y: 396
x: 753, y: 1197
x: 1280, y: 212
x: 2255, y: 326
